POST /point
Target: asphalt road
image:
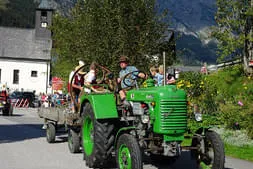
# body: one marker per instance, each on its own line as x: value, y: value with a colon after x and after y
x: 23, y: 146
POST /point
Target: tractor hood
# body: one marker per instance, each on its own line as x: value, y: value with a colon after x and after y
x: 155, y: 93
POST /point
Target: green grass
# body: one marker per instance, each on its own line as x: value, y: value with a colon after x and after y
x: 244, y: 152
x: 186, y: 142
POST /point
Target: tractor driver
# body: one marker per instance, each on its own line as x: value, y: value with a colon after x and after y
x: 125, y: 69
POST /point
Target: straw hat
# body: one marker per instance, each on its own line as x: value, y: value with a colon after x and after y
x: 81, y: 62
x: 81, y: 72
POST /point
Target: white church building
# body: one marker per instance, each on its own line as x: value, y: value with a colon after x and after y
x: 25, y: 54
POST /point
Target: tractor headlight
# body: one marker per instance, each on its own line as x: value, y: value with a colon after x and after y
x: 198, y: 116
x: 145, y: 118
x: 4, y: 102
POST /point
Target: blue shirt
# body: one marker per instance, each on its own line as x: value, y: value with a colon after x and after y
x: 159, y: 79
x: 125, y: 71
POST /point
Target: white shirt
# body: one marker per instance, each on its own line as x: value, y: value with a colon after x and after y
x: 71, y: 75
x: 90, y: 76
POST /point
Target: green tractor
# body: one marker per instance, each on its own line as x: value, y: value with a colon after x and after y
x: 153, y: 125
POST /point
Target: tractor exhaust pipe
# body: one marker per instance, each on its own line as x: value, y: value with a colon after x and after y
x: 164, y: 70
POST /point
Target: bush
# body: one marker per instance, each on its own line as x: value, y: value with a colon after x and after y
x: 228, y: 94
x: 200, y: 90
x: 234, y: 137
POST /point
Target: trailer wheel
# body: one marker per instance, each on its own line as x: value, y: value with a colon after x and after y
x: 50, y: 132
x: 73, y: 141
x: 128, y: 153
x: 97, y: 139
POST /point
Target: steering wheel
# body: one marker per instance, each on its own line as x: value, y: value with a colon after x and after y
x: 130, y: 79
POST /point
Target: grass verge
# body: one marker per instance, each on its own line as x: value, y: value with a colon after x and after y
x: 244, y: 152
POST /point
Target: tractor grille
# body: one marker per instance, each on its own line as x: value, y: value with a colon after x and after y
x: 173, y: 116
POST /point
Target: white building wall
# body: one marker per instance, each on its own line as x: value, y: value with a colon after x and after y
x: 26, y: 82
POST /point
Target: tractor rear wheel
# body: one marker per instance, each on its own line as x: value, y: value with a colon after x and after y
x: 97, y: 139
x: 73, y: 141
x: 128, y: 153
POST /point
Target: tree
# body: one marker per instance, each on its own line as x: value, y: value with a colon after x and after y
x: 16, y: 13
x: 3, y: 4
x: 232, y: 27
x: 103, y: 30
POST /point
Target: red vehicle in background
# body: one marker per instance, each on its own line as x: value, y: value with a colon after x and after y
x: 5, y: 105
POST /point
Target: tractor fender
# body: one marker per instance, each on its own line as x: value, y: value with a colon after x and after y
x: 123, y: 130
x: 203, y: 130
x: 103, y: 105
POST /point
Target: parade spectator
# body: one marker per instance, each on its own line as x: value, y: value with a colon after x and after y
x: 177, y: 72
x: 203, y: 69
x: 170, y: 79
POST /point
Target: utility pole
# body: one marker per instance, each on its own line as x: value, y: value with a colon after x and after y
x: 248, y: 50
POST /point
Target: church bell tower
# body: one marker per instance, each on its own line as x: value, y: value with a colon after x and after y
x: 43, y: 20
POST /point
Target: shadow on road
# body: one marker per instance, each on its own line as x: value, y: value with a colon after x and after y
x: 20, y: 132
x: 183, y: 161
x: 12, y: 115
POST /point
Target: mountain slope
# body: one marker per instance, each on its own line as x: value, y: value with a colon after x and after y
x: 192, y: 20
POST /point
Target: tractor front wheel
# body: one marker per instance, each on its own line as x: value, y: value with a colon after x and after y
x: 211, y: 155
x: 128, y: 153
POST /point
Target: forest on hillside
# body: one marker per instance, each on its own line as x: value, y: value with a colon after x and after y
x: 17, y: 13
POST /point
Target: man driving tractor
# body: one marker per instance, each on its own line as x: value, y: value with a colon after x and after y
x: 126, y: 69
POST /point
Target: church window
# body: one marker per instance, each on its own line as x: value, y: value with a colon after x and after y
x: 34, y: 73
x: 43, y: 15
x: 16, y: 76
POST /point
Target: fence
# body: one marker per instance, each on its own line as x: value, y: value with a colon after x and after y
x: 22, y: 103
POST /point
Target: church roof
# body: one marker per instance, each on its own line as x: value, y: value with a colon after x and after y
x: 17, y: 43
x: 46, y: 4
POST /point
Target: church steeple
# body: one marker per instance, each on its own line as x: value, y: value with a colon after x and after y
x: 44, y: 4
x: 43, y: 20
